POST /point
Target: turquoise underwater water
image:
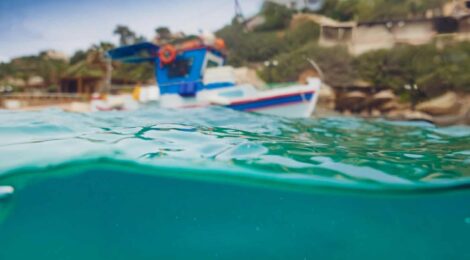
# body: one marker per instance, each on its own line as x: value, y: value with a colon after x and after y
x: 220, y: 184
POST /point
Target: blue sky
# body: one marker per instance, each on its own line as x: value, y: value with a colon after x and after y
x: 29, y: 26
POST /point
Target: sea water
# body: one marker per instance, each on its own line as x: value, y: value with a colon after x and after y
x: 220, y: 184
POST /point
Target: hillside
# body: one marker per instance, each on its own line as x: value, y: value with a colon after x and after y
x: 279, y: 53
x: 367, y: 10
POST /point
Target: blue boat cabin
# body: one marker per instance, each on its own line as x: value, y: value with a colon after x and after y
x: 182, y: 74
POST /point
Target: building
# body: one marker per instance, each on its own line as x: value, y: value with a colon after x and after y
x: 83, y: 78
x: 312, y: 5
x: 55, y: 55
x: 452, y: 21
x: 363, y: 37
x: 83, y: 85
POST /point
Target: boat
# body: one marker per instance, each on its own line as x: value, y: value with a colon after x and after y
x: 194, y: 74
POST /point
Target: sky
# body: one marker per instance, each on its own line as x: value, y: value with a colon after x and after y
x: 30, y: 26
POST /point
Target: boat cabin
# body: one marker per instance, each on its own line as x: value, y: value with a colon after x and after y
x: 178, y: 69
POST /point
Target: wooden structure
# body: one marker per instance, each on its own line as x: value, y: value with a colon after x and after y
x: 85, y: 86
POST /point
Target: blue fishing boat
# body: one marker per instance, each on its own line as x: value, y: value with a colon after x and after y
x: 194, y: 74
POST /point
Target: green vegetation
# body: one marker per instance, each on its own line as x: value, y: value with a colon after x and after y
x: 277, y: 17
x: 25, y: 68
x: 365, y: 10
x: 258, y: 46
x: 289, y: 44
x: 335, y: 62
x: 427, y: 70
x: 252, y: 47
x: 432, y: 70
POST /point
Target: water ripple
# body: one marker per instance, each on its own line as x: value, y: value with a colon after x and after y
x: 340, y: 149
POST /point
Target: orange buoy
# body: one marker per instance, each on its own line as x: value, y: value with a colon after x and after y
x: 219, y: 44
x: 167, y: 54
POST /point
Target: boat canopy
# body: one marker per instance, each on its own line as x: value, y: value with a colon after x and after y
x: 137, y: 53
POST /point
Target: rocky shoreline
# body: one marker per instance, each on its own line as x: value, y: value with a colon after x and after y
x: 448, y: 109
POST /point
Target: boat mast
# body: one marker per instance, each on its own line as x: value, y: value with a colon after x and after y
x: 238, y: 12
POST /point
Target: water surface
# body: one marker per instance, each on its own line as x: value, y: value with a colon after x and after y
x: 215, y: 183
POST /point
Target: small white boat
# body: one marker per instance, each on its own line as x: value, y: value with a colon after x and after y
x: 195, y: 75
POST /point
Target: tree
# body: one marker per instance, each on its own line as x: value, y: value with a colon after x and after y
x: 96, y: 53
x: 163, y: 34
x: 77, y: 57
x: 418, y: 72
x: 365, y: 10
x: 126, y: 36
x: 140, y: 39
x: 335, y: 63
x: 276, y: 16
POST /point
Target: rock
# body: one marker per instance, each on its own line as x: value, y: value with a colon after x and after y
x: 364, y: 114
x: 449, y: 120
x: 395, y: 114
x: 409, y: 115
x: 347, y: 113
x: 362, y: 84
x: 376, y: 113
x: 443, y: 105
x: 326, y: 97
x: 327, y: 93
x: 355, y: 95
x: 355, y: 101
x: 467, y: 117
x: 417, y: 115
x: 382, y: 97
x: 385, y: 95
x: 389, y: 106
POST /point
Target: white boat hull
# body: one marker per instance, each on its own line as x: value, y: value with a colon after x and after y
x: 294, y: 101
x: 295, y: 110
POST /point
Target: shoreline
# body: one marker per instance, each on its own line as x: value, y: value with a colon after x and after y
x: 321, y: 112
